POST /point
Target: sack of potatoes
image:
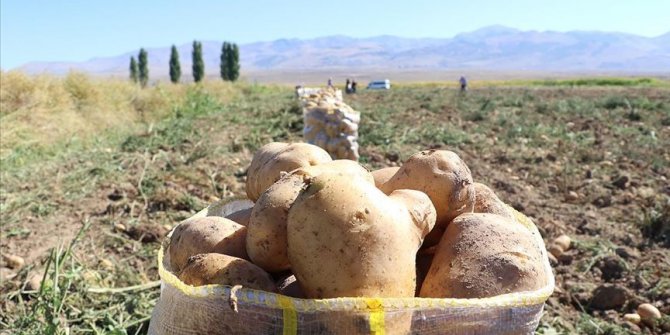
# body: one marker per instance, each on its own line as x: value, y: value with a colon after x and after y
x: 331, y: 124
x: 323, y: 246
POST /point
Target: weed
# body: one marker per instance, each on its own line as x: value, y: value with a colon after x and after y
x: 589, y: 325
x: 655, y: 224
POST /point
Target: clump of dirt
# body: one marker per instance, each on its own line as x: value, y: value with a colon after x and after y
x: 147, y: 233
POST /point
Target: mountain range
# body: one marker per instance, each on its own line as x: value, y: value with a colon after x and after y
x: 493, y: 48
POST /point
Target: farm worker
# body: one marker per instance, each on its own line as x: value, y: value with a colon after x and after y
x: 348, y: 87
x: 464, y: 83
x: 353, y: 86
x: 330, y: 82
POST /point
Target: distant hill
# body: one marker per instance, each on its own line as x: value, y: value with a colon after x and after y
x: 494, y: 48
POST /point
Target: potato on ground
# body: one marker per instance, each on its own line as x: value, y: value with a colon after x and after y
x: 486, y: 201
x: 205, y: 235
x: 218, y: 269
x: 383, y: 175
x: 348, y: 239
x: 274, y: 158
x: 444, y: 177
x: 266, y: 236
x: 484, y: 255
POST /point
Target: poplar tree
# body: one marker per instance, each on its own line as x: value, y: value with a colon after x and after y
x: 143, y: 67
x: 133, y: 69
x: 175, y: 67
x: 198, y: 63
x: 225, y: 75
x: 234, y: 62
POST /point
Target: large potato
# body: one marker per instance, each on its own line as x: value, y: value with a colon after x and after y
x: 266, y: 236
x: 484, y: 255
x: 383, y: 175
x: 204, y: 235
x: 348, y: 239
x: 211, y: 269
x: 274, y: 158
x: 486, y: 201
x: 444, y: 177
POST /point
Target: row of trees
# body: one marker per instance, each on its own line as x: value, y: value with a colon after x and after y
x: 229, y: 67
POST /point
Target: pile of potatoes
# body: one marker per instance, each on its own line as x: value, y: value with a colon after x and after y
x: 314, y: 227
x: 331, y: 124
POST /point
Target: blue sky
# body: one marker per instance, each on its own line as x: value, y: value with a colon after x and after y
x: 80, y: 30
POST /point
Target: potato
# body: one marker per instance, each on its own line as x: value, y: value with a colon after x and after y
x: 423, y: 261
x: 274, y: 158
x: 218, y: 269
x: 348, y: 239
x: 204, y: 235
x: 266, y: 237
x: 241, y: 217
x: 486, y: 201
x: 342, y: 166
x: 484, y: 255
x: 383, y: 175
x: 444, y: 177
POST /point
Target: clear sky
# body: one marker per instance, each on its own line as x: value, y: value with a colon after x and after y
x: 77, y: 30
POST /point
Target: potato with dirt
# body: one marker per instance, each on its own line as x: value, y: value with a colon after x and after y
x: 219, y: 269
x: 206, y: 235
x: 486, y: 201
x: 266, y: 236
x: 241, y: 217
x: 483, y: 255
x: 346, y: 238
x: 383, y: 175
x: 272, y: 159
x: 444, y: 177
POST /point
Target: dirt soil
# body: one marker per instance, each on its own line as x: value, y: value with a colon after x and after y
x: 590, y: 177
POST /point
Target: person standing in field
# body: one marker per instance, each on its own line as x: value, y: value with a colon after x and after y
x: 330, y: 82
x: 348, y: 86
x: 353, y: 86
x: 464, y: 83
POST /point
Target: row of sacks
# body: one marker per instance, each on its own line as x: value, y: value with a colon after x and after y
x: 330, y: 123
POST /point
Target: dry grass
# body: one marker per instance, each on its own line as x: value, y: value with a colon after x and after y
x: 41, y: 110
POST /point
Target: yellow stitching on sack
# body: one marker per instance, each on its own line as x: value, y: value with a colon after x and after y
x: 376, y: 309
x: 289, y: 315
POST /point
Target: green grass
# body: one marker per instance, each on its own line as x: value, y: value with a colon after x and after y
x: 601, y: 82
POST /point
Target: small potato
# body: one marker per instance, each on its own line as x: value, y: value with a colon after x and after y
x: 274, y: 158
x: 483, y: 255
x: 218, y: 269
x: 205, y: 235
x: 445, y: 178
x: 266, y: 238
x: 383, y: 175
x: 486, y: 201
x: 241, y: 217
x: 648, y: 313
